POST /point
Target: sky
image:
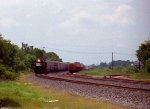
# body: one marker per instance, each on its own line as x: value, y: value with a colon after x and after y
x: 86, y: 31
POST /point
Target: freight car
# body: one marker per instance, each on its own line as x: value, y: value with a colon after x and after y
x: 75, y: 67
x: 55, y: 66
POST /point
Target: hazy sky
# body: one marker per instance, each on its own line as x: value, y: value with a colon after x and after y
x: 75, y: 29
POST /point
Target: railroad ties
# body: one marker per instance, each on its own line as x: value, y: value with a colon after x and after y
x: 121, y: 91
x: 86, y: 80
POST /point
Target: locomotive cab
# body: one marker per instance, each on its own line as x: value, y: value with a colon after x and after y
x: 39, y: 66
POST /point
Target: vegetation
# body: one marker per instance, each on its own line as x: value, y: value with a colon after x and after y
x: 14, y: 59
x: 147, y: 65
x: 116, y: 64
x: 124, y: 67
x: 143, y: 54
x: 24, y: 95
x: 129, y: 72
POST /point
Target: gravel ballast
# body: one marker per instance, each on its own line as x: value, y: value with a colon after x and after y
x: 104, y: 81
x: 126, y: 97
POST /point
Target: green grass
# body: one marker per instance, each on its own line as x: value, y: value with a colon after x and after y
x: 20, y: 93
x: 23, y: 95
x: 131, y: 72
x: 140, y: 76
x: 99, y: 72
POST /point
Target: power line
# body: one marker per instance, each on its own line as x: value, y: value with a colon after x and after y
x: 123, y: 53
x: 87, y: 52
x: 78, y: 52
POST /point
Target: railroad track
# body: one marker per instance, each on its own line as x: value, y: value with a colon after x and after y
x: 113, y: 81
x: 82, y: 81
x: 108, y: 79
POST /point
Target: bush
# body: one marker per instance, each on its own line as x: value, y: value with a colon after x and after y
x: 10, y: 75
x: 147, y: 65
x: 2, y: 69
x: 131, y: 70
x: 7, y: 74
x: 20, y: 67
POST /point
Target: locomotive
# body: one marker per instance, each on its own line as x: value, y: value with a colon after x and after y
x: 41, y: 66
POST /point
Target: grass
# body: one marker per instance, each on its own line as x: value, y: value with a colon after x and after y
x: 96, y: 72
x: 23, y: 95
x: 20, y: 94
x: 132, y: 73
x: 140, y: 76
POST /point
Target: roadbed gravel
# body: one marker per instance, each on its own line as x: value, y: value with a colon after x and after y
x: 125, y: 97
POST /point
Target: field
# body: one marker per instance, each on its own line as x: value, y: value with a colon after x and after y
x: 22, y: 94
x: 129, y: 72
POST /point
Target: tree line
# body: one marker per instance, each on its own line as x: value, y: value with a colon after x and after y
x: 143, y: 55
x: 14, y: 59
x: 116, y: 63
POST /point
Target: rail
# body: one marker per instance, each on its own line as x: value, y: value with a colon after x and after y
x: 88, y: 83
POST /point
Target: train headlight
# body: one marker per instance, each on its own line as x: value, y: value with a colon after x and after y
x: 38, y: 60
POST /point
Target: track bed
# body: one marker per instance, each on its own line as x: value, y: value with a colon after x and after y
x: 124, y: 96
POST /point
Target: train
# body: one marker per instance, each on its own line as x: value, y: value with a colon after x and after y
x: 41, y: 66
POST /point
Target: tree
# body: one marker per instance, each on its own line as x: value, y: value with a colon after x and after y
x: 38, y: 53
x: 29, y: 59
x: 103, y: 65
x: 52, y: 57
x: 147, y: 65
x: 143, y: 53
x: 42, y: 54
x: 12, y: 57
x: 8, y: 53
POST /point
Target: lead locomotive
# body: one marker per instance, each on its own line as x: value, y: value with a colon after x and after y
x: 41, y: 66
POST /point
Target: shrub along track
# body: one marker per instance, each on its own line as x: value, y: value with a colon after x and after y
x: 115, y: 92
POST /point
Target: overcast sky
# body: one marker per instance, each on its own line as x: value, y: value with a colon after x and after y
x: 78, y: 30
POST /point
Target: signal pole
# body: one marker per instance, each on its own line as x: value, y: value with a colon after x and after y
x: 112, y: 61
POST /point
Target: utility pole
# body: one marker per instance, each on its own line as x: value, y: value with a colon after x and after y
x: 22, y: 46
x: 112, y: 61
x: 43, y: 54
